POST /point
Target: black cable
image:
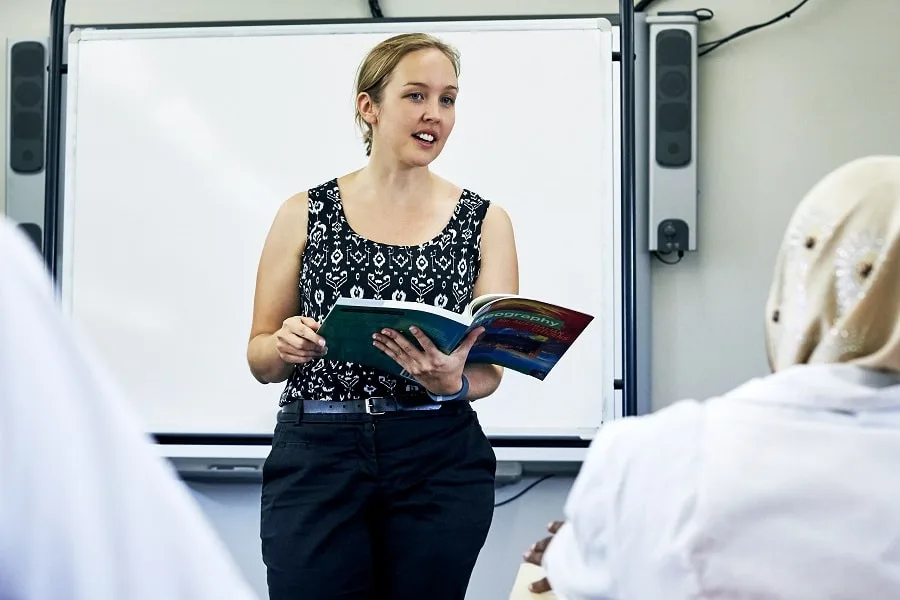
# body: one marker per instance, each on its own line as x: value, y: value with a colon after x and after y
x: 629, y: 211
x: 643, y: 5
x: 54, y: 127
x: 375, y: 9
x: 522, y: 492
x: 701, y: 14
x: 659, y: 257
x: 707, y: 47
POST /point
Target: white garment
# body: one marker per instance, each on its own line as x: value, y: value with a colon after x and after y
x: 88, y: 510
x: 786, y: 488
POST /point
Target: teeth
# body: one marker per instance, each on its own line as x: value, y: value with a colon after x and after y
x: 425, y: 136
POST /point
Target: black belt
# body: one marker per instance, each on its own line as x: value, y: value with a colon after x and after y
x: 371, y: 406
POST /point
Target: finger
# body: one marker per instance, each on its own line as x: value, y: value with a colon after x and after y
x: 387, y: 344
x: 533, y: 557
x: 392, y: 350
x: 311, y: 323
x: 554, y: 526
x: 424, y: 341
x: 400, y: 340
x: 291, y: 342
x: 298, y: 327
x: 540, y: 586
x: 299, y: 357
x: 466, y: 345
x: 541, y: 545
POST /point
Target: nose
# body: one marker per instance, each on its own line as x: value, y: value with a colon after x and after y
x: 433, y: 111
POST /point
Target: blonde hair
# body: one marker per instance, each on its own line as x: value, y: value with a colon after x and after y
x: 378, y: 65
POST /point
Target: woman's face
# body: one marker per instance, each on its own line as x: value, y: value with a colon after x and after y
x: 417, y: 111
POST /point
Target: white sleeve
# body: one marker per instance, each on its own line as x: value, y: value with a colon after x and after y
x: 88, y: 510
x: 630, y: 509
x: 577, y: 562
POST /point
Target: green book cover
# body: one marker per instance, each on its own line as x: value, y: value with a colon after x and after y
x: 528, y: 336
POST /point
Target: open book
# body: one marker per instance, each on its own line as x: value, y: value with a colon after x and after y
x: 528, y: 336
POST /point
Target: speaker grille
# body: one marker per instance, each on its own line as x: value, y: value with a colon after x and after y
x: 26, y: 109
x: 674, y: 60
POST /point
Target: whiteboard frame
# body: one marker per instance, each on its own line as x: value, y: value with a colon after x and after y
x: 565, y: 448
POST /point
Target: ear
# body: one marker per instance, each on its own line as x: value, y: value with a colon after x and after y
x: 367, y: 108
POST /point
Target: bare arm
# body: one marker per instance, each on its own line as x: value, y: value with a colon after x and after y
x: 499, y: 275
x: 277, y: 296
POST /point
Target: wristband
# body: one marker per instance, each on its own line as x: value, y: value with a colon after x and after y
x: 447, y: 398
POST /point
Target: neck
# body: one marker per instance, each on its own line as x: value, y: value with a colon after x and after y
x: 395, y: 181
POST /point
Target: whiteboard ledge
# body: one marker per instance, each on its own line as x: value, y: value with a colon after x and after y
x: 222, y: 454
x: 585, y: 23
x: 542, y: 433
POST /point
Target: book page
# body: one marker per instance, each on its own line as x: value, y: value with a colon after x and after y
x: 388, y: 305
x: 482, y: 301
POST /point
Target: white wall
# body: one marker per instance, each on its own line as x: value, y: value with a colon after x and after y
x: 779, y: 108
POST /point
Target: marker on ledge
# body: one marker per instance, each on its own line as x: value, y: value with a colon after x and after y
x: 234, y: 468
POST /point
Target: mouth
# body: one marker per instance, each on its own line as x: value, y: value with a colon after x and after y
x: 426, y: 138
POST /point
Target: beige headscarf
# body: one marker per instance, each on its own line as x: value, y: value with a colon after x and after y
x: 835, y: 297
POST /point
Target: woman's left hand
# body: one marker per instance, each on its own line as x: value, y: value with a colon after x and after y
x: 437, y: 372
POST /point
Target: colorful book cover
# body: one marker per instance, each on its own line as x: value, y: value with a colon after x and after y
x: 528, y: 336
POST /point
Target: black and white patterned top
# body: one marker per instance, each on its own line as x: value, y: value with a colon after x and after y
x: 337, y: 262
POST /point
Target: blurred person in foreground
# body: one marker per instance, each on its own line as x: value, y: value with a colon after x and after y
x: 88, y: 510
x: 785, y: 487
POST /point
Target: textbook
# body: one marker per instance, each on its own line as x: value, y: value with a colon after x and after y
x: 522, y: 334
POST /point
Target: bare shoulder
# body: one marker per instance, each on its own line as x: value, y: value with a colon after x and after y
x: 497, y: 219
x: 497, y: 223
x: 288, y: 230
x: 499, y: 256
x: 448, y: 192
x: 497, y: 227
x: 294, y: 210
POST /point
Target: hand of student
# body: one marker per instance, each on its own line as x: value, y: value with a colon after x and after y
x: 535, y: 556
x: 297, y: 341
x: 437, y: 372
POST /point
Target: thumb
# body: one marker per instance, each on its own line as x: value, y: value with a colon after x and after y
x: 469, y: 341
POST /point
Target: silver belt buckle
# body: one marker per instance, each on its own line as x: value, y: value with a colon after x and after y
x: 368, y: 404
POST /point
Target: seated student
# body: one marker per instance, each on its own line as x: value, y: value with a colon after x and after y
x: 88, y: 511
x: 786, y: 487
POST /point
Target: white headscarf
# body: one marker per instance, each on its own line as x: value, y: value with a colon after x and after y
x: 835, y: 297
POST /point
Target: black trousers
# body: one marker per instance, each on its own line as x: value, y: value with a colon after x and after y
x: 395, y: 507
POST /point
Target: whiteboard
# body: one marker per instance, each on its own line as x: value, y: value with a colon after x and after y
x: 181, y: 144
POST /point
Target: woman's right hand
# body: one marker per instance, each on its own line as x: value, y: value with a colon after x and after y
x: 297, y: 341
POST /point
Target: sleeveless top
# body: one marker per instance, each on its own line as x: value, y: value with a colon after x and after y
x: 337, y: 262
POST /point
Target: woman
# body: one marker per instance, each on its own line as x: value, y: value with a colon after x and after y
x: 397, y: 504
x: 787, y: 486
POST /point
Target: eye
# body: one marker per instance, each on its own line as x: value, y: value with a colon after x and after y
x: 448, y: 100
x: 415, y: 96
